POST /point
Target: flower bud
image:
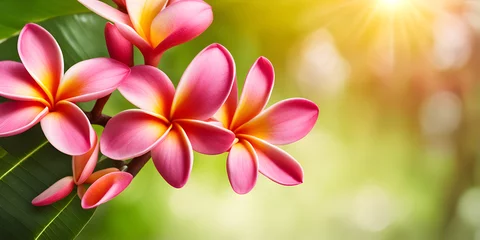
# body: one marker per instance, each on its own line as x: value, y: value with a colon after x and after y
x: 118, y: 47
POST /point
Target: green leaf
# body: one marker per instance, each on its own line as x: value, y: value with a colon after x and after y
x: 29, y: 164
x: 16, y: 13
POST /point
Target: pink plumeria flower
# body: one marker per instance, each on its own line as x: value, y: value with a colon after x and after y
x: 257, y: 130
x: 42, y: 93
x: 105, y: 184
x: 153, y: 26
x: 171, y: 124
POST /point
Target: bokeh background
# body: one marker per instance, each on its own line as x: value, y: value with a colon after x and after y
x: 394, y: 155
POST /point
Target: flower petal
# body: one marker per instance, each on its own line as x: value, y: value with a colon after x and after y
x: 18, y: 117
x: 41, y: 56
x: 142, y: 13
x: 150, y: 89
x: 179, y: 23
x: 119, y: 48
x: 17, y: 84
x: 242, y: 167
x: 283, y: 123
x: 276, y: 164
x: 68, y: 129
x: 106, y: 11
x: 129, y: 33
x: 131, y: 133
x: 81, y: 189
x: 173, y: 157
x: 92, y: 79
x: 100, y: 173
x: 84, y: 165
x: 54, y: 193
x: 227, y: 110
x: 106, y: 188
x: 256, y: 92
x: 205, y: 85
x: 207, y: 138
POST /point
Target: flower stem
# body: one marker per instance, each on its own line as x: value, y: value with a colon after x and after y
x: 95, y: 116
x: 137, y: 163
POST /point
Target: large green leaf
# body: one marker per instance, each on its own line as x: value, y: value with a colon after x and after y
x: 29, y: 164
x: 16, y: 13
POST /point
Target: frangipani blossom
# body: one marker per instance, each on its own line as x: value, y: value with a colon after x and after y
x: 42, y: 93
x: 171, y: 124
x: 153, y: 26
x: 105, y: 184
x: 257, y: 130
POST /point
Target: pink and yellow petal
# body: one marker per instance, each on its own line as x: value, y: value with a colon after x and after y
x: 17, y: 117
x: 84, y: 165
x: 283, y: 123
x: 68, y: 129
x: 225, y: 114
x: 256, y: 92
x: 106, y: 188
x: 106, y: 11
x: 17, y: 84
x: 150, y: 89
x: 205, y: 85
x: 276, y: 164
x: 131, y: 35
x: 173, y: 157
x: 207, y: 138
x: 142, y: 13
x: 180, y: 22
x: 242, y: 167
x: 92, y: 79
x: 100, y: 173
x: 132, y: 133
x: 54, y: 193
x: 42, y: 57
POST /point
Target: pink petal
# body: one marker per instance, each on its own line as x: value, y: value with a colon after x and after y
x: 92, y: 79
x: 18, y: 117
x: 105, y: 189
x: 121, y: 4
x: 179, y: 23
x: 17, y: 84
x: 207, y: 138
x: 131, y: 133
x: 142, y: 13
x: 106, y: 11
x: 227, y: 110
x: 285, y: 122
x: 118, y: 47
x: 54, y: 193
x: 68, y: 129
x: 149, y: 89
x: 242, y: 167
x: 100, y: 173
x: 173, y: 157
x: 205, y: 85
x: 81, y: 189
x: 256, y: 92
x: 129, y: 33
x: 84, y: 165
x: 276, y: 164
x: 41, y: 56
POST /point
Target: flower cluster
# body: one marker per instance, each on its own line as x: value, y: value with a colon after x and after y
x: 202, y: 114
